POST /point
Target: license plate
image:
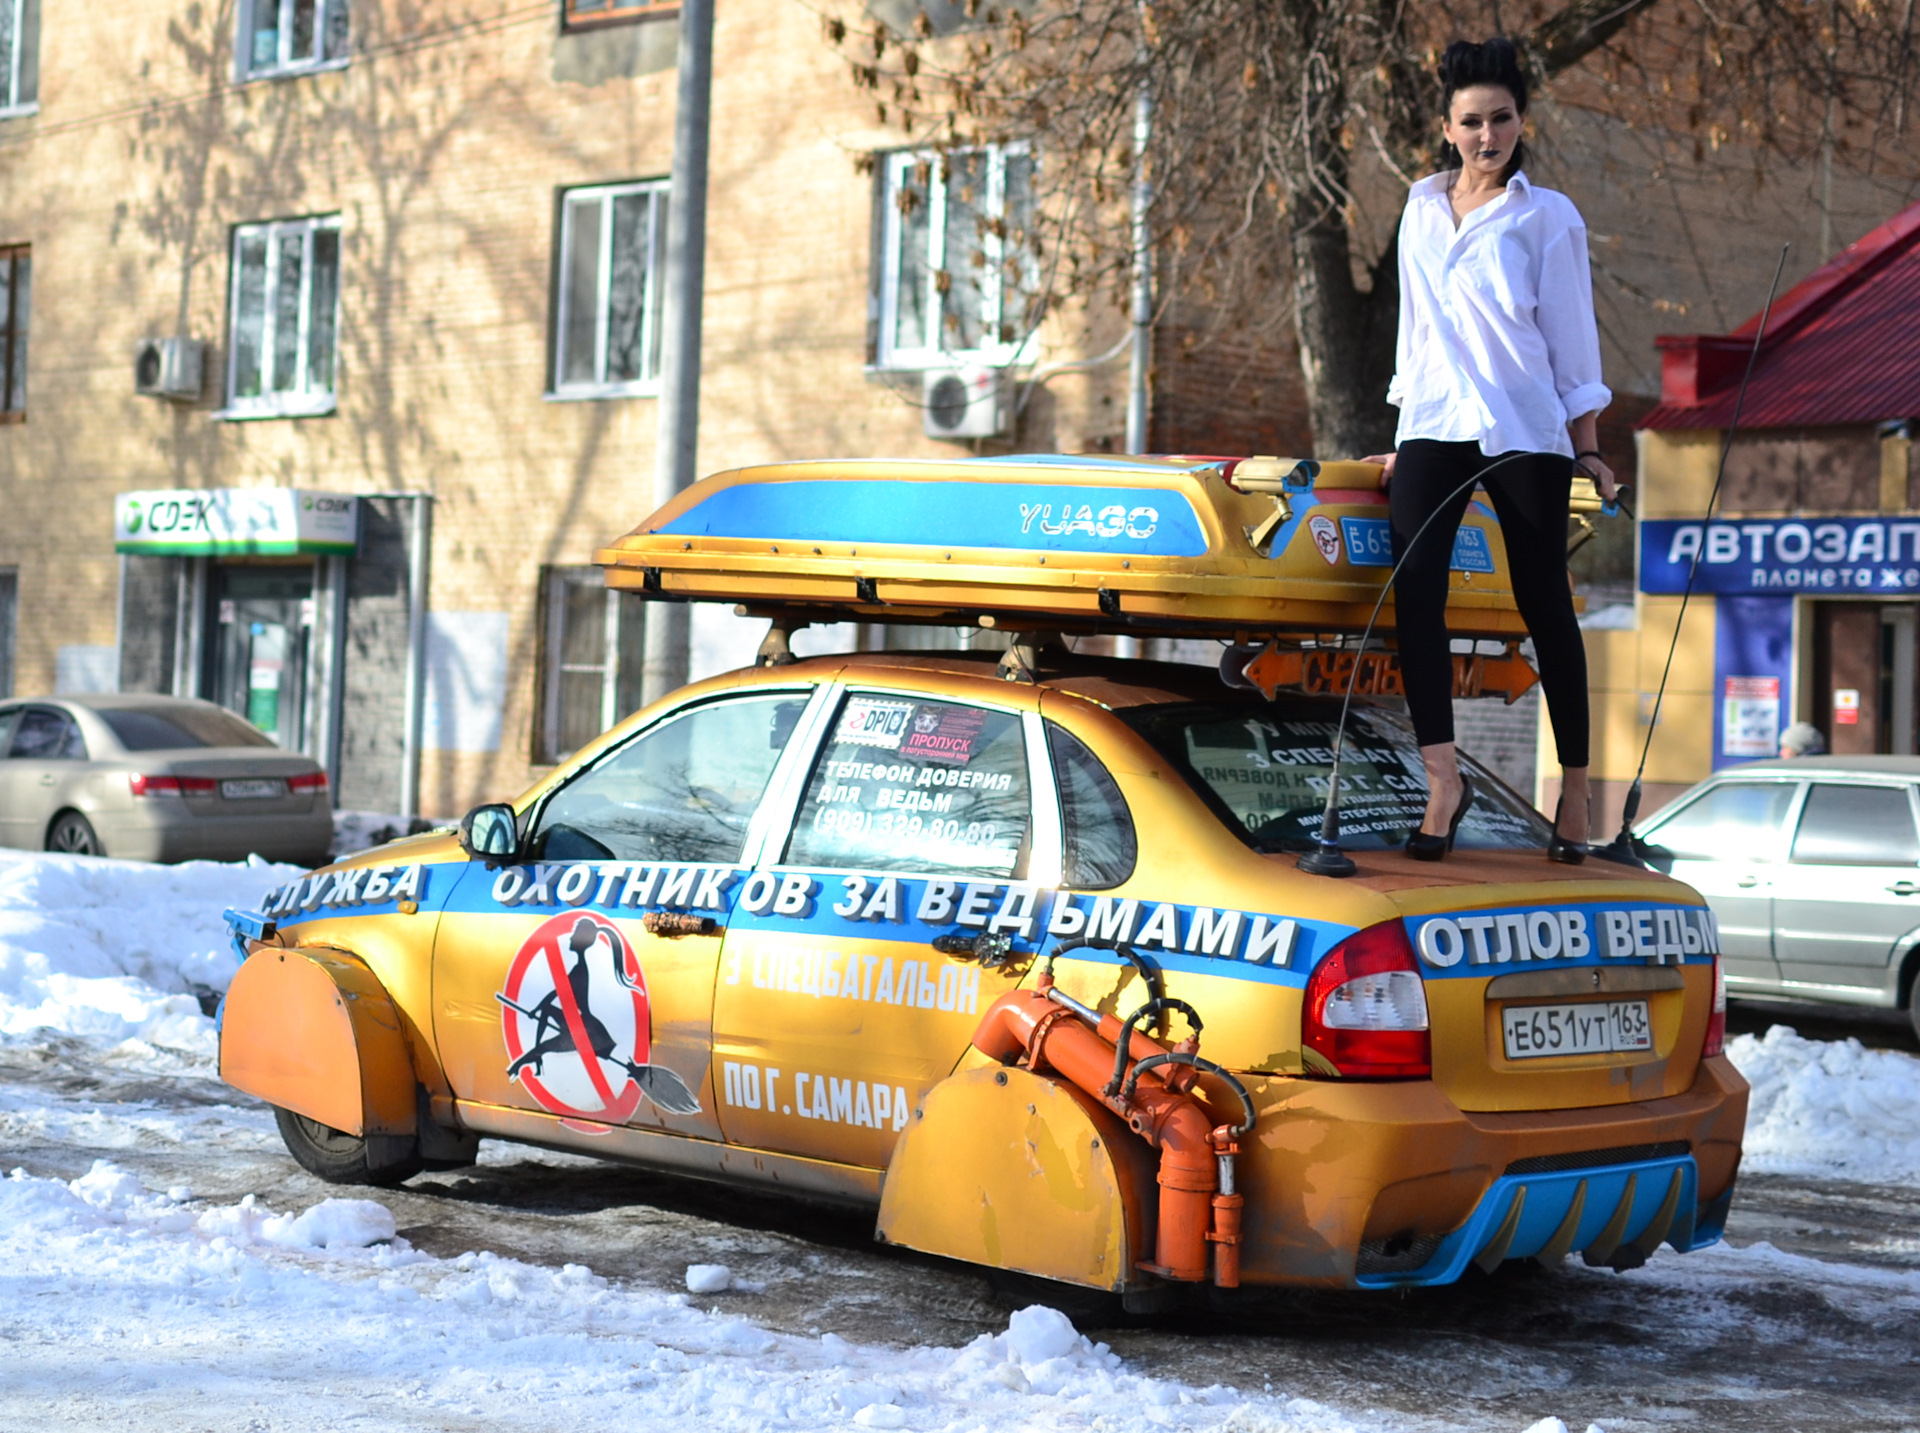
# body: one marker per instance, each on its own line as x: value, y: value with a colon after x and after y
x: 1535, y: 1032
x: 253, y: 788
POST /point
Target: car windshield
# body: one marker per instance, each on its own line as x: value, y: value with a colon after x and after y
x: 141, y: 729
x: 1264, y: 769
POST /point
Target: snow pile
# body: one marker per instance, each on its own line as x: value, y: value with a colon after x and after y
x: 345, y: 1323
x: 116, y: 949
x: 1829, y: 1108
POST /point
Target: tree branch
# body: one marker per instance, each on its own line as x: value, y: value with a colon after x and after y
x: 1567, y: 37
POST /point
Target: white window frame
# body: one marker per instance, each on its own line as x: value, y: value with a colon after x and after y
x: 297, y: 402
x: 937, y: 355
x: 553, y: 666
x: 648, y: 384
x: 284, y: 62
x: 11, y: 106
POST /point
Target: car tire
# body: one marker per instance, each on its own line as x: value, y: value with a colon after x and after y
x: 1913, y: 1009
x: 333, y: 1155
x: 73, y: 835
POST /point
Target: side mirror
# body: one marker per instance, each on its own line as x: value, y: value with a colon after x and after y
x: 488, y: 833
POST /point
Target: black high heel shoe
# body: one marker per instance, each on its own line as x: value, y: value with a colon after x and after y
x: 1559, y: 848
x: 1423, y: 847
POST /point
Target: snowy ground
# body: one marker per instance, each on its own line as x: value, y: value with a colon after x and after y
x: 162, y: 1263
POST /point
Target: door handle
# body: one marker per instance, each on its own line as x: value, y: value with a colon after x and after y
x: 47, y: 778
x: 1904, y: 888
x: 1747, y: 883
x: 677, y: 923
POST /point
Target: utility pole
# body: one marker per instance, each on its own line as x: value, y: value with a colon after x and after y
x: 664, y: 667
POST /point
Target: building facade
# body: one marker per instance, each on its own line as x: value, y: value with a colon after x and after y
x: 329, y: 350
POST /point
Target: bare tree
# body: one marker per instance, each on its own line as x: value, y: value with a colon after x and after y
x: 1285, y: 132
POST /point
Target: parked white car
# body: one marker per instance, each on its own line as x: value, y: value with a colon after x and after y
x: 1812, y: 867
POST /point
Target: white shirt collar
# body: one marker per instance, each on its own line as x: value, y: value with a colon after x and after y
x: 1436, y: 184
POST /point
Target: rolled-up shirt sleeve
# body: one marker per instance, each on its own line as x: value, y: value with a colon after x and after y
x: 1566, y: 322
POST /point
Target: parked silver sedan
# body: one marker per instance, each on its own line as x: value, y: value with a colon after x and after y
x: 1812, y: 867
x: 154, y: 778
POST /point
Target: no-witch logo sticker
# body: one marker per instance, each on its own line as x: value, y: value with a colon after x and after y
x: 578, y: 1026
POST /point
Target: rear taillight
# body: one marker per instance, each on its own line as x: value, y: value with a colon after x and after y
x: 308, y: 781
x: 1366, y: 1010
x: 1717, y: 1021
x: 171, y: 785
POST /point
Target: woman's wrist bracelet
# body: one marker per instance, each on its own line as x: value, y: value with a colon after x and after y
x: 1590, y: 453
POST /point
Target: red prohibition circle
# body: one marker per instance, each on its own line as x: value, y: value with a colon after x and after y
x: 546, y: 945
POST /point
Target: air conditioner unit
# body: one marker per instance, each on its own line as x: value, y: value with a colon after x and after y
x: 966, y: 403
x: 169, y: 368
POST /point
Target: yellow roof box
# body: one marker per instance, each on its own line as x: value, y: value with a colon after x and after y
x: 1202, y: 547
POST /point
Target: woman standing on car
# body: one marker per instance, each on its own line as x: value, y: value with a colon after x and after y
x: 1497, y: 373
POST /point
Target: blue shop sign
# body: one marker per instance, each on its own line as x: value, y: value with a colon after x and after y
x: 1782, y: 555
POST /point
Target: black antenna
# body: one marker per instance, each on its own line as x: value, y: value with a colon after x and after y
x: 1326, y: 858
x: 1621, y: 848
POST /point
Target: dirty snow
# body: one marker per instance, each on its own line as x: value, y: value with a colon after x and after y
x: 111, y: 1293
x: 1829, y: 1108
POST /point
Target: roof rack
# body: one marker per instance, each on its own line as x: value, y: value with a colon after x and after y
x: 1245, y: 550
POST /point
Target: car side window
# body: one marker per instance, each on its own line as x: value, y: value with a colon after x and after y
x: 1100, y: 845
x: 1735, y: 821
x: 7, y: 719
x: 907, y: 784
x: 1856, y: 826
x: 43, y: 734
x: 683, y: 790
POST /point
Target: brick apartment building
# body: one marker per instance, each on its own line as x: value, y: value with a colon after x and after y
x: 327, y: 345
x: 412, y: 250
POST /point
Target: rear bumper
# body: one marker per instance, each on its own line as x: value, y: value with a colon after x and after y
x: 167, y: 832
x: 1353, y: 1185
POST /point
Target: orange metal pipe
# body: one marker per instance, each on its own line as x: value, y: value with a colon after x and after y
x: 1025, y: 1021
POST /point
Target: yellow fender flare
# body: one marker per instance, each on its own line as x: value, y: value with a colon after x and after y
x: 314, y: 1031
x: 1011, y: 1170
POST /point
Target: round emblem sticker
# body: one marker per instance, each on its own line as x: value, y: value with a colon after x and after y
x: 578, y: 1027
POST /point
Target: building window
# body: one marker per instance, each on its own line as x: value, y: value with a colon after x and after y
x: 582, y: 14
x: 280, y: 37
x: 591, y: 642
x: 956, y: 274
x: 16, y: 305
x: 19, y: 56
x: 612, y: 247
x: 286, y: 318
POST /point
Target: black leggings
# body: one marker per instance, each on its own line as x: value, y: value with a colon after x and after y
x: 1529, y: 492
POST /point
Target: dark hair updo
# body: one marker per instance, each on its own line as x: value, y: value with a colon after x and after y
x: 1494, y: 62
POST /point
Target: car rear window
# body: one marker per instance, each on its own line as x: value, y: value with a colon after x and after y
x: 1265, y: 770
x: 140, y: 730
x: 1856, y: 826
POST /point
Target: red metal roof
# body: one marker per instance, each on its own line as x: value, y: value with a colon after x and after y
x: 1842, y: 346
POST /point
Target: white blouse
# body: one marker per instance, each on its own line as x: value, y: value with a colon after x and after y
x: 1497, y: 340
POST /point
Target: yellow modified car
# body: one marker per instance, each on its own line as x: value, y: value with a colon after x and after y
x: 1015, y: 951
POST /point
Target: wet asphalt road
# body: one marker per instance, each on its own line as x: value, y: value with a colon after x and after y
x: 1768, y: 1348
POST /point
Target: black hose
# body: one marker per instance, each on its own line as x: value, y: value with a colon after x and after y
x: 1205, y: 1067
x: 1149, y: 973
x: 1152, y: 1007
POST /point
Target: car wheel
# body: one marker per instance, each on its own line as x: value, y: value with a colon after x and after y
x: 333, y: 1155
x: 1913, y: 1009
x: 73, y: 834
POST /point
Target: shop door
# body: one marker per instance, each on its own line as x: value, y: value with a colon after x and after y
x: 1864, y: 674
x: 259, y: 652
